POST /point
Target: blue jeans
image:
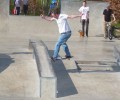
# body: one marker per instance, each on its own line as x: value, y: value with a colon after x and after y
x: 62, y: 41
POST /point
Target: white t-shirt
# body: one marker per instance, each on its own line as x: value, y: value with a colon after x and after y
x: 62, y: 23
x: 17, y: 3
x: 84, y: 11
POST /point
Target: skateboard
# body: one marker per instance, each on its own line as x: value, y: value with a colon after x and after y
x: 64, y: 58
x: 61, y: 58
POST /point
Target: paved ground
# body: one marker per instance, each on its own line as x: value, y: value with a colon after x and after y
x: 88, y: 84
x: 18, y: 74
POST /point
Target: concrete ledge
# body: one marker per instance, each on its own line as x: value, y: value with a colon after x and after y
x: 48, y: 80
x: 117, y: 54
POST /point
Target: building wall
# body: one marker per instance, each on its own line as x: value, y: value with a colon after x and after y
x: 4, y: 15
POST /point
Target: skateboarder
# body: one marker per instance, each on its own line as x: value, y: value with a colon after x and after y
x: 64, y: 30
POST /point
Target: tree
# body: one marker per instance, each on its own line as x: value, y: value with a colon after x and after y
x: 115, y: 5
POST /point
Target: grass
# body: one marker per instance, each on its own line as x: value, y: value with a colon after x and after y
x: 117, y: 25
x: 117, y: 31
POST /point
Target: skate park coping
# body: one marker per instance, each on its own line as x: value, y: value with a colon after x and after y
x: 48, y: 80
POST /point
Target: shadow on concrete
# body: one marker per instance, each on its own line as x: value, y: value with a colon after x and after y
x: 116, y: 68
x: 5, y: 61
x: 73, y: 70
x: 65, y: 86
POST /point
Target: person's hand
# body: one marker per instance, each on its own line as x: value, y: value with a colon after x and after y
x: 42, y: 16
x: 114, y: 21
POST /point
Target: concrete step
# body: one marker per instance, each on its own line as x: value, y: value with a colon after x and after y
x: 96, y: 61
x: 87, y: 67
x: 97, y: 65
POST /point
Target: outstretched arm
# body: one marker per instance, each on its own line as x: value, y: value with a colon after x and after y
x: 113, y: 17
x: 47, y: 18
x: 74, y: 16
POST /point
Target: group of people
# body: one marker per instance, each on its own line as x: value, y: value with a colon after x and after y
x: 23, y: 4
x: 18, y: 6
x: 65, y: 31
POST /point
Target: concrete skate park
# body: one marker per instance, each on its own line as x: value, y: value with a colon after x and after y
x: 27, y: 73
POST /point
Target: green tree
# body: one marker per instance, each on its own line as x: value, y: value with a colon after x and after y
x: 115, y: 5
x: 37, y: 7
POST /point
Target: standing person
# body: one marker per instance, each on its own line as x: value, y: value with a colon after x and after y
x: 84, y: 11
x: 25, y: 6
x: 107, y: 13
x: 64, y: 30
x: 17, y: 6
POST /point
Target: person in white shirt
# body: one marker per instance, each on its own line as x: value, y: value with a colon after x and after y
x: 64, y: 30
x: 17, y: 6
x: 84, y: 11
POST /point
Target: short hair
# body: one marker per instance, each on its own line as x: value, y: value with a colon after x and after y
x: 85, y: 1
x: 55, y: 11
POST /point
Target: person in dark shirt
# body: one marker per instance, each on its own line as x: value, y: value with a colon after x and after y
x: 25, y: 6
x: 17, y: 4
x: 108, y: 13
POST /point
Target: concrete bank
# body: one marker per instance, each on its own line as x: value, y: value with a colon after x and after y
x: 48, y: 80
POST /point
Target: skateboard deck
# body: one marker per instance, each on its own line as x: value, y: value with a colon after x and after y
x: 60, y: 58
x: 63, y: 58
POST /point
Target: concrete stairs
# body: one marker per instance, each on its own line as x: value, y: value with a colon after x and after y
x: 97, y: 66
